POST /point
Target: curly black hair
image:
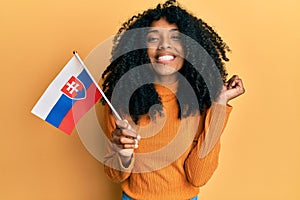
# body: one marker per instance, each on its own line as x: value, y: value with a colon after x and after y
x: 200, y: 66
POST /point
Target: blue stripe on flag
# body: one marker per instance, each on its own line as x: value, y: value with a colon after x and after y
x: 85, y: 79
x: 59, y: 110
x: 64, y: 103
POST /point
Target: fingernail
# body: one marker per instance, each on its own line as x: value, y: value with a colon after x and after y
x: 136, y: 146
x: 138, y: 137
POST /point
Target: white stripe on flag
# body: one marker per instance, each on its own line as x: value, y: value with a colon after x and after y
x: 53, y: 93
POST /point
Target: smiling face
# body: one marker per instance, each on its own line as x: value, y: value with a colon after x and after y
x: 165, y: 50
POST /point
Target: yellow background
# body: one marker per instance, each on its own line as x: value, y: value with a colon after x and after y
x: 260, y: 156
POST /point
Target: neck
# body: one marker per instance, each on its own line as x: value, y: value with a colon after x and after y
x: 165, y: 80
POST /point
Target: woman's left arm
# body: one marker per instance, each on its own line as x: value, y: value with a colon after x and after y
x: 203, y: 158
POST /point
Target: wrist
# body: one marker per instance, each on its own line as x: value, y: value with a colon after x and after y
x: 125, y: 159
x: 222, y: 101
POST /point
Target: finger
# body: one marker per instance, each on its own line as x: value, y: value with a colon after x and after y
x: 126, y: 140
x: 127, y: 130
x: 122, y: 124
x: 240, y: 86
x: 233, y: 77
x: 123, y: 140
x: 130, y: 146
x: 235, y: 83
x: 127, y: 146
x: 129, y: 133
x: 125, y: 133
x: 232, y: 80
x: 229, y: 82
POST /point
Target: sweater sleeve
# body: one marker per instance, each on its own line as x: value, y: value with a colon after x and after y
x: 203, y: 158
x: 113, y: 166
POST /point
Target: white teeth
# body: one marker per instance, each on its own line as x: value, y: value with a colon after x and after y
x: 165, y: 58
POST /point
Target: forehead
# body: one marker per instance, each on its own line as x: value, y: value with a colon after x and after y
x: 163, y: 23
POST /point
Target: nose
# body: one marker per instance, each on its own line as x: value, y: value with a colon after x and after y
x: 164, y: 43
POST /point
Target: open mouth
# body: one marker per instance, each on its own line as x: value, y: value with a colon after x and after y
x: 165, y: 58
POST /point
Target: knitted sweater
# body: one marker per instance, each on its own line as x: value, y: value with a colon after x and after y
x: 175, y: 156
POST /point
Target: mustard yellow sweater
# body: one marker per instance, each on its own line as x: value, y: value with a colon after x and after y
x: 175, y: 156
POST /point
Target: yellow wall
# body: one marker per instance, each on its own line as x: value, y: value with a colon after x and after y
x: 260, y: 147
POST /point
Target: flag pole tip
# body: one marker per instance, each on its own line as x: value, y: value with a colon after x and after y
x: 74, y: 52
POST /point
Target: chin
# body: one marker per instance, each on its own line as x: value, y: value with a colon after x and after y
x: 163, y: 70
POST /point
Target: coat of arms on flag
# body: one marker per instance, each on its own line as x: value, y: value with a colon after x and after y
x: 74, y: 89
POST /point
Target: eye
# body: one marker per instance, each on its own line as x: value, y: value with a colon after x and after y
x: 152, y: 39
x: 176, y: 37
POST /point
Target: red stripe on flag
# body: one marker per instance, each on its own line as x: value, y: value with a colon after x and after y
x: 79, y: 108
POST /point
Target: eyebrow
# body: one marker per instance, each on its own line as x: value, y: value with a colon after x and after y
x: 156, y: 30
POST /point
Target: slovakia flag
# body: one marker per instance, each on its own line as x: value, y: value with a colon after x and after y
x: 71, y: 94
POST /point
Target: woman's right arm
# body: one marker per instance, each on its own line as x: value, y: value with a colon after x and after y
x: 119, y: 160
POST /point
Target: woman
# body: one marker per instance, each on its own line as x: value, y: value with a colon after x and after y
x: 167, y: 79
